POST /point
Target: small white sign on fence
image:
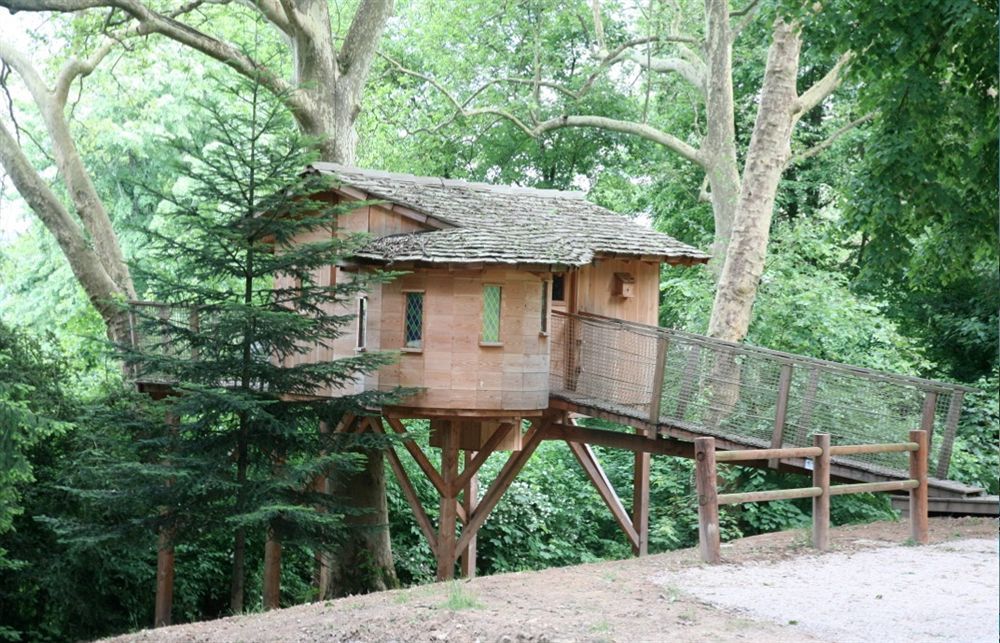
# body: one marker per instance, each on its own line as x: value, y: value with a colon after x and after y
x: 808, y: 464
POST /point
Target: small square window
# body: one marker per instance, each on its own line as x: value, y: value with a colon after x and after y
x: 491, y: 314
x: 413, y: 332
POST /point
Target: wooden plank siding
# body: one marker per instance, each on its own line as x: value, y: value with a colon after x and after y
x: 455, y: 369
x: 595, y: 291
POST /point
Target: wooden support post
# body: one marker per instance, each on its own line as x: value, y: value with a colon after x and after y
x: 709, y: 542
x: 690, y: 381
x: 808, y: 405
x: 927, y: 417
x: 418, y: 456
x: 470, y: 492
x: 272, y: 571
x: 781, y: 412
x: 948, y: 439
x: 588, y: 461
x: 321, y: 485
x: 507, y: 474
x: 164, y: 579
x: 423, y: 521
x: 640, y: 497
x: 656, y: 396
x: 821, y: 503
x: 918, y: 495
x: 449, y: 504
x: 164, y: 601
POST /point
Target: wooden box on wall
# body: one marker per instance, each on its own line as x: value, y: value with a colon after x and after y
x: 624, y: 284
x: 473, y: 434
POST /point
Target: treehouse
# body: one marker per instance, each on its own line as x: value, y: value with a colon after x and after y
x: 485, y: 267
x: 520, y: 310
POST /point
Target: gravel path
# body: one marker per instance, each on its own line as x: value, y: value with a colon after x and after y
x: 943, y: 592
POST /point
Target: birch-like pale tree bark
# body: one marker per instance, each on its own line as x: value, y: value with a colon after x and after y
x: 88, y: 240
x: 742, y: 201
x: 324, y: 95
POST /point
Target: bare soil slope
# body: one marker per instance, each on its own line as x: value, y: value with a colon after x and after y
x: 663, y: 597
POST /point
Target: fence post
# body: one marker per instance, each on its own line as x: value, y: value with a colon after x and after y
x: 821, y: 503
x: 708, y: 500
x: 662, y: 344
x: 780, y: 411
x: 948, y: 439
x: 918, y: 495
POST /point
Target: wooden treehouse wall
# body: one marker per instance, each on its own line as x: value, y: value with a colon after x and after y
x: 456, y: 369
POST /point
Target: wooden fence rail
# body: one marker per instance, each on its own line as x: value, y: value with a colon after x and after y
x: 709, y: 500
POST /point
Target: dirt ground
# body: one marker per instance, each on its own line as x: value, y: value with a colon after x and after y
x: 668, y: 597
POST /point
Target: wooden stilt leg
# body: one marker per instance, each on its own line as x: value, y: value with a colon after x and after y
x: 588, y: 461
x: 322, y: 569
x: 449, y: 505
x: 500, y: 484
x: 640, y: 500
x: 164, y: 579
x: 272, y: 571
x: 469, y: 500
x: 164, y: 602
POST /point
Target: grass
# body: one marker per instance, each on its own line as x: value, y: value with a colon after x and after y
x: 459, y: 598
x: 673, y: 594
x: 601, y: 626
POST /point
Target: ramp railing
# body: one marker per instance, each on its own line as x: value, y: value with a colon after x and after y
x: 765, y: 398
x: 821, y: 491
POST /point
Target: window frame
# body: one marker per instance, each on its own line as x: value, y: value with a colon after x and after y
x: 482, y: 320
x: 546, y: 308
x: 361, y: 338
x: 562, y: 277
x: 423, y: 314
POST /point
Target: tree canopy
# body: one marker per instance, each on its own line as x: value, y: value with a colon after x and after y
x: 839, y: 158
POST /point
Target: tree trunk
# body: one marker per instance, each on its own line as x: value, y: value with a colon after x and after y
x: 334, y: 85
x: 719, y: 145
x: 87, y: 265
x: 769, y: 151
x: 364, y: 562
x: 237, y: 584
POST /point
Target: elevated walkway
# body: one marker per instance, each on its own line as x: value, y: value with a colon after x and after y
x: 685, y: 386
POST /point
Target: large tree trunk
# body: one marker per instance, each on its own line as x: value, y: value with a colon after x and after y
x: 90, y: 271
x: 334, y: 84
x: 364, y: 562
x: 719, y: 145
x: 770, y: 147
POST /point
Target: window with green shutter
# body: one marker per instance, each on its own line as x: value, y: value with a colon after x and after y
x: 491, y: 314
x: 413, y: 330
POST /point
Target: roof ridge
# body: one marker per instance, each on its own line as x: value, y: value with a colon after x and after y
x: 337, y: 168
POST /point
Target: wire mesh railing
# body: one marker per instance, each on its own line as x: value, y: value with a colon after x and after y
x: 153, y: 329
x: 764, y: 398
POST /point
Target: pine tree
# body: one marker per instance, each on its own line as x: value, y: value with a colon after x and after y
x: 241, y: 443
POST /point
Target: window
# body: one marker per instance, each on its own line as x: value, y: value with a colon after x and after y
x: 413, y: 331
x: 362, y: 322
x: 545, y: 307
x: 559, y: 288
x: 491, y: 315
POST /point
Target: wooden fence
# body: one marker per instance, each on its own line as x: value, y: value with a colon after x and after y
x: 821, y: 491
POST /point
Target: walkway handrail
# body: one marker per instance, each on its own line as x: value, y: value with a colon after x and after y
x: 763, y: 397
x: 709, y: 500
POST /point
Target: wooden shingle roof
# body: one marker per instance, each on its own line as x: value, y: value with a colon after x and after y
x: 504, y: 224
